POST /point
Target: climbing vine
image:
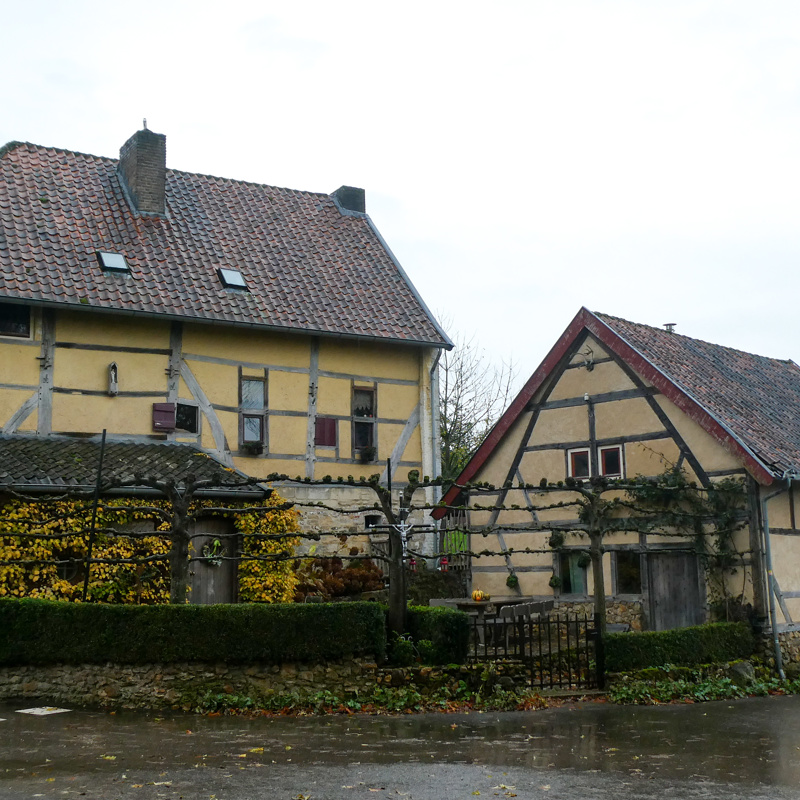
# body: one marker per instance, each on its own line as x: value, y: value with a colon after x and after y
x: 46, y: 543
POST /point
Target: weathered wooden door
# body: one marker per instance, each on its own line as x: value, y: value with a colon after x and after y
x: 213, y: 579
x: 674, y: 590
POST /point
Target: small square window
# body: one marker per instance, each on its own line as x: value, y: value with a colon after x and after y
x: 15, y: 320
x: 232, y: 278
x: 113, y: 262
x: 610, y: 459
x: 578, y: 463
x: 186, y: 418
x: 252, y: 411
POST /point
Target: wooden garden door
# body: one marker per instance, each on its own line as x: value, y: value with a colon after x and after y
x: 674, y: 590
x: 214, y: 580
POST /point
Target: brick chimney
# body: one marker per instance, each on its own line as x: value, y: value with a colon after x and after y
x: 143, y: 170
x: 349, y: 198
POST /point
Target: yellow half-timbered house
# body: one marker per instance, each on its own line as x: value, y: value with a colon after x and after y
x: 272, y: 329
x: 619, y: 400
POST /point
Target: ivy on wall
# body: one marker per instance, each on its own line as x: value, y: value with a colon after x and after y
x: 130, y: 564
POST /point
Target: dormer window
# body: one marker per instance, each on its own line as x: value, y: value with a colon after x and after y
x: 232, y: 278
x: 112, y: 262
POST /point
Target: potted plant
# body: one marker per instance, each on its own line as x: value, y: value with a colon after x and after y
x: 251, y: 448
x: 367, y: 454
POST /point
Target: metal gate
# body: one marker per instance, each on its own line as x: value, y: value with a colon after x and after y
x: 561, y: 651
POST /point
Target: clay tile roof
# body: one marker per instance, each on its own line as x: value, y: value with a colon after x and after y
x: 310, y: 267
x: 58, y: 463
x: 755, y: 397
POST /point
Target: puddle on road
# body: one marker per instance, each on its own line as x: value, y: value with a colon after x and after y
x: 748, y: 742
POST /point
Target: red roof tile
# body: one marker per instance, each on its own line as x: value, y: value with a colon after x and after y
x: 309, y: 267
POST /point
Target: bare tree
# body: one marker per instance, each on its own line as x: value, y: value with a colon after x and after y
x: 473, y: 393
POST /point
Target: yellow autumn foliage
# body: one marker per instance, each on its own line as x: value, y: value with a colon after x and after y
x: 145, y: 583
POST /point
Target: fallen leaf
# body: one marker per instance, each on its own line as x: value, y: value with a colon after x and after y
x: 109, y: 758
x: 256, y: 749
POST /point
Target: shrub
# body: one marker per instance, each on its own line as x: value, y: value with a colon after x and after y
x: 702, y: 644
x: 46, y: 632
x: 329, y: 577
x: 445, y: 628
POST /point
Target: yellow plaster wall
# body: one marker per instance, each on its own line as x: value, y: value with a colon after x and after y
x: 558, y: 425
x: 539, y: 464
x: 288, y: 391
x: 88, y: 370
x: 598, y: 351
x: 606, y: 377
x: 786, y: 561
x: 18, y: 363
x: 396, y: 401
x: 81, y: 414
x: 109, y: 329
x: 625, y: 418
x: 287, y: 435
x: 247, y: 345
x: 369, y: 359
x: 10, y: 401
x: 220, y: 382
x: 710, y: 453
x: 334, y: 397
x: 779, y: 511
x: 495, y: 470
x: 651, y: 457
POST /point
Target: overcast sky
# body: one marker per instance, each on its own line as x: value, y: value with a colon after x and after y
x: 522, y: 159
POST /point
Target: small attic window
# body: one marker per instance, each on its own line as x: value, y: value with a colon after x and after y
x: 232, y: 278
x: 113, y: 262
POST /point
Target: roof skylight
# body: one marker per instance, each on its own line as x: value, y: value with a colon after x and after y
x: 232, y: 278
x: 113, y: 262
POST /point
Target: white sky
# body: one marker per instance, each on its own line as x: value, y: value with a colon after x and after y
x: 522, y: 159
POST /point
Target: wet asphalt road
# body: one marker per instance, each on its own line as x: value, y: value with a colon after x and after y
x: 744, y: 749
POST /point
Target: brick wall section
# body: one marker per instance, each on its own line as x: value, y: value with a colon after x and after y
x: 143, y: 167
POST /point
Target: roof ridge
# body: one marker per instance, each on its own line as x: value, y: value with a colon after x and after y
x: 603, y: 317
x: 12, y: 145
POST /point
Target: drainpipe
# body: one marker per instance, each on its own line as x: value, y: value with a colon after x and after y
x: 436, y: 456
x: 770, y: 584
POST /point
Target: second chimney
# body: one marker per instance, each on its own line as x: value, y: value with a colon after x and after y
x: 143, y: 169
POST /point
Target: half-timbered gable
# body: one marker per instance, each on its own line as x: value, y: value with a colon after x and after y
x: 622, y: 400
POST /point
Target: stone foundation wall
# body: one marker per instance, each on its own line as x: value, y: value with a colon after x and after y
x: 624, y: 612
x: 181, y: 686
x: 790, y: 649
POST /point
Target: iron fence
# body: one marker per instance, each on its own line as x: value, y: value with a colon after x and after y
x: 560, y: 651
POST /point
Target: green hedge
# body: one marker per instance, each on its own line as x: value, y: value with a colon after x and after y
x: 447, y: 628
x: 46, y: 632
x: 704, y: 644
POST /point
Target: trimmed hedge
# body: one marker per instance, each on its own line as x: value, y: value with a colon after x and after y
x: 703, y: 644
x: 48, y: 632
x: 446, y: 628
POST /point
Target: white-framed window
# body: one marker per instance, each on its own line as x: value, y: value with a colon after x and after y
x: 364, y: 414
x: 252, y: 412
x: 609, y: 461
x: 579, y: 464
